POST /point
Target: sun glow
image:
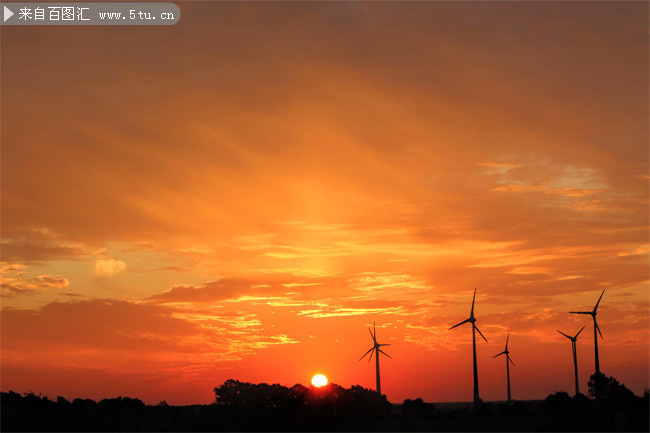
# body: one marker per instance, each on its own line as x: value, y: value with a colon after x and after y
x: 319, y: 380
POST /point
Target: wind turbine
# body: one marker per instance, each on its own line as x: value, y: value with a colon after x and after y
x: 507, y: 354
x: 472, y: 320
x: 376, y: 350
x: 596, y: 328
x: 575, y: 354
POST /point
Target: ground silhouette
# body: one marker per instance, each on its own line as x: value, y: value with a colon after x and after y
x: 243, y: 406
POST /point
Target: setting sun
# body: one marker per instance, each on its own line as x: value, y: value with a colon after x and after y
x: 319, y: 380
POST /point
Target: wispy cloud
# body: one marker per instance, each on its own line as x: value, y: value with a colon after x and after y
x: 13, y: 282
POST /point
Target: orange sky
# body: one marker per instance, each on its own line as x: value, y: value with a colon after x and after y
x: 241, y: 194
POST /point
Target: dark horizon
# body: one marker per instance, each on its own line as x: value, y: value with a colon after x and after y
x: 263, y: 407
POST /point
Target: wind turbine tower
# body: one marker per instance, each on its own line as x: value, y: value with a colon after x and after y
x: 376, y: 350
x: 472, y: 320
x: 507, y: 354
x: 575, y: 354
x: 596, y: 328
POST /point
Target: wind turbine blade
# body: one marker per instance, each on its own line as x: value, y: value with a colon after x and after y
x: 473, y: 299
x: 499, y: 354
x: 580, y: 312
x: 373, y: 337
x: 464, y: 321
x: 598, y: 329
x: 507, y: 338
x: 385, y: 353
x: 601, y: 297
x: 570, y: 338
x: 373, y: 351
x: 579, y: 332
x: 510, y: 360
x: 479, y: 331
x: 384, y: 344
x: 364, y: 355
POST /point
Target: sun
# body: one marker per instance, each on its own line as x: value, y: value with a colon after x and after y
x: 319, y: 380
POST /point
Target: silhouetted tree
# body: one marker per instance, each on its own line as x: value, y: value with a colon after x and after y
x: 613, y: 408
x: 62, y: 402
x: 262, y: 407
x: 417, y: 408
x: 261, y: 404
x: 601, y: 386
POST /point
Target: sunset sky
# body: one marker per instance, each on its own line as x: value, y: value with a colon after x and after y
x: 241, y: 194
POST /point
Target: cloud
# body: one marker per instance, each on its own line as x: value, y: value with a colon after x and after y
x: 270, y: 287
x: 11, y: 286
x: 209, y: 292
x: 108, y: 267
x: 130, y: 347
x: 343, y: 311
x: 14, y: 281
x: 12, y: 268
x: 134, y: 330
x: 567, y: 192
x: 31, y: 244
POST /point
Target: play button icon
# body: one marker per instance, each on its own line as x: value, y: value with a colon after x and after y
x: 7, y: 13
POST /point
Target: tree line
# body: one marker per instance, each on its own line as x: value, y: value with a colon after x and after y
x: 243, y: 406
